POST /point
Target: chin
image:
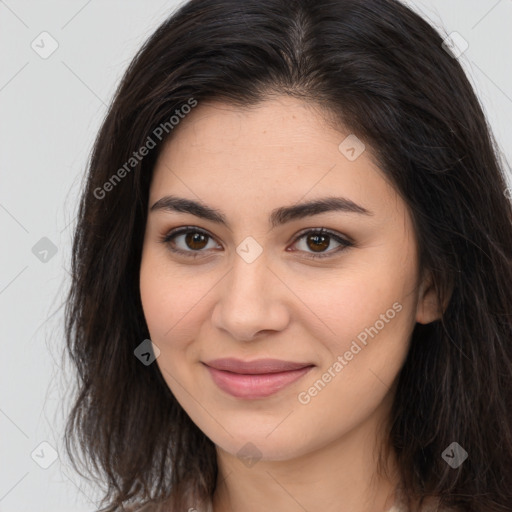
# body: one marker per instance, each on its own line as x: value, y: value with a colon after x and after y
x: 258, y: 445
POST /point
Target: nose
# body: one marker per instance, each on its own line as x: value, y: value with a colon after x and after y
x: 251, y: 300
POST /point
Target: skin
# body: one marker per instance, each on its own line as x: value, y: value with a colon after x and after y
x: 319, y: 456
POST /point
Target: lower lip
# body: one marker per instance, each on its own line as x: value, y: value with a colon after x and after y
x: 255, y: 386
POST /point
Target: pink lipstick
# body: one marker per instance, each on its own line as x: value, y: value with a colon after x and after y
x: 255, y: 379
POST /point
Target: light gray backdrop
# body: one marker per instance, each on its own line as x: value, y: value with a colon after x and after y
x: 52, y: 100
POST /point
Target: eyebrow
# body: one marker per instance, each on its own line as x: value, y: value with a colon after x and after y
x: 278, y: 216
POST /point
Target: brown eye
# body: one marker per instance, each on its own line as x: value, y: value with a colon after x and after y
x: 317, y: 241
x: 193, y: 241
x: 188, y: 241
x: 196, y: 240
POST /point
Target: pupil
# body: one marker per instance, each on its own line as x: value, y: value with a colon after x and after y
x: 195, y: 238
x: 316, y: 239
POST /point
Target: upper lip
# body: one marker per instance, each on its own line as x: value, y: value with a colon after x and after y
x: 258, y: 366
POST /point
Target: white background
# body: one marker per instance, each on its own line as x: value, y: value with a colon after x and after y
x: 50, y: 111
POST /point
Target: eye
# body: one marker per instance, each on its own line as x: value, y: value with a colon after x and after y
x: 320, y: 239
x: 194, y: 240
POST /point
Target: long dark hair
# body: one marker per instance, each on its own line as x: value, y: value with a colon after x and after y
x: 381, y: 71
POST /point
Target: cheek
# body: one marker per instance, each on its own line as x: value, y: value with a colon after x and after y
x: 175, y: 305
x: 168, y: 307
x: 367, y: 316
x: 363, y: 361
x: 339, y: 306
x: 168, y: 296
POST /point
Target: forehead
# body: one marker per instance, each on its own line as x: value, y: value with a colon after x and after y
x: 276, y: 126
x: 279, y: 149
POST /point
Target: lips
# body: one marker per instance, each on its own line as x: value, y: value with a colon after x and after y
x: 256, y: 367
x: 255, y: 379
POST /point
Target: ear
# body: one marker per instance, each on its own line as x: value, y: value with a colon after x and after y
x: 429, y: 308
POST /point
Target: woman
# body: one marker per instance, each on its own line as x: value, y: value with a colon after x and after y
x: 292, y: 270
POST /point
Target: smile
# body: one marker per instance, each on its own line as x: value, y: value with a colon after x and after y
x: 257, y: 379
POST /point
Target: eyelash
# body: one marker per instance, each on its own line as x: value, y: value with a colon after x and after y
x: 166, y: 239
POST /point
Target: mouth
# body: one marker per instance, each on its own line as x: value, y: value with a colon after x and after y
x: 255, y: 379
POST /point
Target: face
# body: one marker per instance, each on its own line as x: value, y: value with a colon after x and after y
x: 250, y: 277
